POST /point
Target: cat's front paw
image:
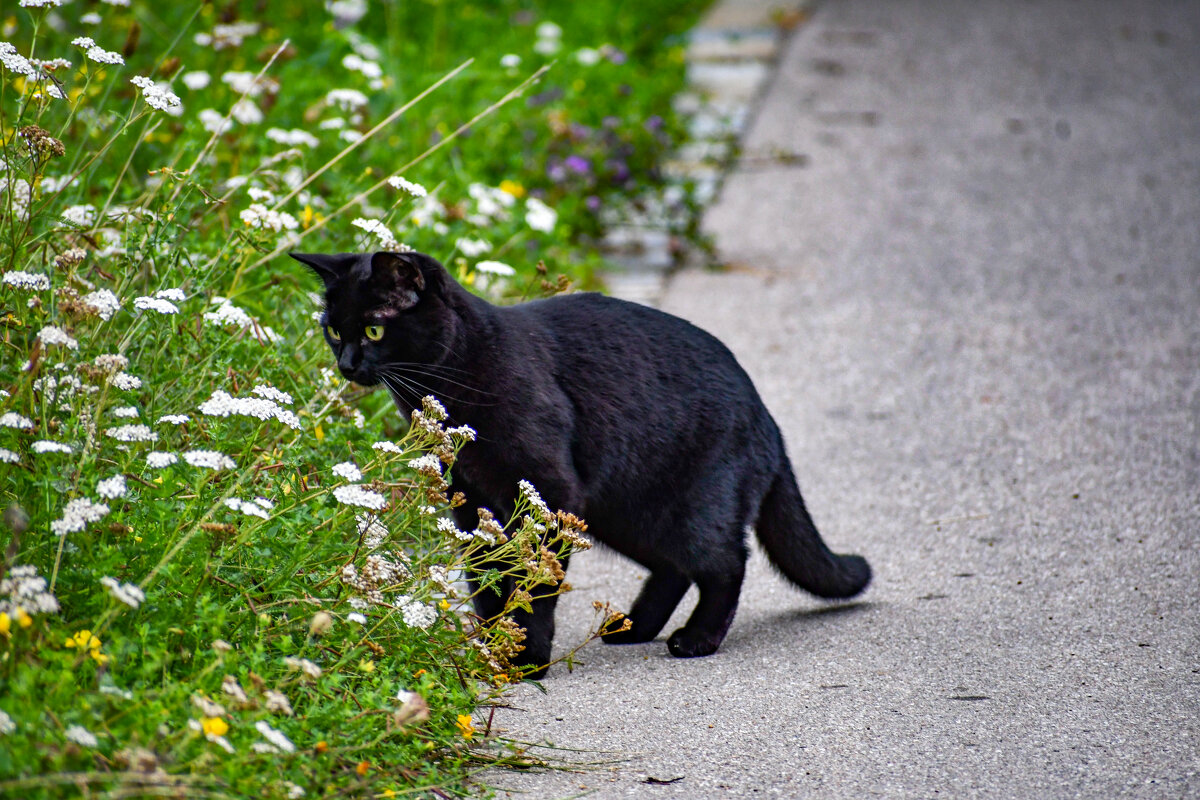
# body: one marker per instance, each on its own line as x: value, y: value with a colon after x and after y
x: 684, y: 643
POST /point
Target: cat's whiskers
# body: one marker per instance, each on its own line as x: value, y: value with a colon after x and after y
x: 427, y: 370
x: 409, y: 381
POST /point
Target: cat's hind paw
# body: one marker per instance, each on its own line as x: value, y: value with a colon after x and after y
x: 684, y: 643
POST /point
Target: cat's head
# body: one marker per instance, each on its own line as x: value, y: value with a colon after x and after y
x: 382, y: 309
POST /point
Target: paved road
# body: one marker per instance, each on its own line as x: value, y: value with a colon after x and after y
x: 973, y: 304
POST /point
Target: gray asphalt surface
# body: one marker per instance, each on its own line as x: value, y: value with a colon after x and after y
x: 974, y: 308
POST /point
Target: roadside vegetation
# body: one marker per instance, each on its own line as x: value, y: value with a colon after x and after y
x: 225, y: 571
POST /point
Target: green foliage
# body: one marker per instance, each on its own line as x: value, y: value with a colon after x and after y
x: 227, y: 572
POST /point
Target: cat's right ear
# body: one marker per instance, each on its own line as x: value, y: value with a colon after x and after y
x: 329, y: 267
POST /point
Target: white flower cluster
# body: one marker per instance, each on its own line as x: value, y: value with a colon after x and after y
x: 125, y: 412
x: 103, y: 301
x: 158, y: 95
x: 276, y: 741
x: 258, y: 507
x: 209, y: 459
x: 415, y: 189
x: 271, y: 393
x: 450, y: 529
x: 112, y: 488
x: 132, y: 433
x: 7, y: 725
x: 534, y: 499
x: 549, y: 39
x: 226, y: 35
x: 12, y: 419
x: 293, y: 138
x: 96, y: 53
x: 346, y: 99
x: 387, y: 447
x: 162, y: 301
x: 491, y: 204
x: 27, y: 281
x: 76, y: 515
x: 354, y: 495
x: 540, y: 216
x: 82, y: 215
x: 8, y: 456
x: 471, y: 248
x: 386, y: 240
x: 302, y: 665
x: 222, y: 404
x: 347, y: 470
x: 81, y: 736
x: 52, y: 335
x: 173, y: 419
x: 156, y: 459
x: 259, y: 216
x: 25, y: 589
x: 415, y: 613
x: 373, y: 532
x: 14, y: 61
x: 229, y: 314
x: 128, y: 593
x: 428, y: 464
x: 196, y: 80
x: 47, y: 446
x: 495, y: 268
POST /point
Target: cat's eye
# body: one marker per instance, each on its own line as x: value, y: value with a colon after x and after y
x: 333, y: 333
x: 374, y: 332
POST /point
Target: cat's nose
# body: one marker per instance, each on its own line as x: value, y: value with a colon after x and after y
x: 349, y: 359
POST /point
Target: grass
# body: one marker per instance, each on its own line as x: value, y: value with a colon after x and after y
x: 227, y: 573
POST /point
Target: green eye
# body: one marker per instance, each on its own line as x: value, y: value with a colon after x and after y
x: 333, y: 334
x: 374, y: 332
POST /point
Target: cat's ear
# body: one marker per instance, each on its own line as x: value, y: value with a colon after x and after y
x: 329, y: 267
x: 398, y: 277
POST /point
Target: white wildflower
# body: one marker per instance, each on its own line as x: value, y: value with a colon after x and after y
x: 127, y: 593
x: 209, y: 459
x: 275, y: 737
x: 510, y: 61
x: 356, y: 617
x: 28, y: 281
x: 173, y: 419
x: 540, y: 216
x: 534, y: 499
x: 125, y: 381
x: 249, y: 83
x: 428, y: 464
x: 227, y: 313
x: 102, y: 56
x: 495, y: 268
x: 374, y: 532
x: 303, y: 665
x: 386, y: 240
x: 222, y: 404
x: 246, y: 112
x: 587, y: 56
x: 347, y: 470
x: 104, y: 301
x: 208, y: 708
x: 248, y: 507
x: 450, y: 529
x: 346, y: 99
x: 214, y: 121
x: 157, y: 95
x: 126, y: 412
x: 157, y: 459
x: 472, y: 247
x: 271, y: 393
x: 12, y: 419
x: 132, y: 433
x: 259, y: 216
x: 293, y: 138
x: 231, y: 687
x: 277, y: 702
x: 111, y: 362
x: 155, y: 304
x: 415, y: 189
x: 386, y: 447
x: 47, y: 446
x: 81, y: 736
x: 76, y: 515
x: 7, y: 725
x: 82, y: 215
x: 52, y: 335
x: 415, y: 613
x: 8, y: 456
x: 175, y: 295
x: 112, y: 488
x: 115, y: 691
x: 196, y: 80
x: 23, y: 588
x: 355, y: 495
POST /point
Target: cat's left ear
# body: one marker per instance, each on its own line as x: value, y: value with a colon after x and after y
x: 397, y: 276
x: 330, y: 267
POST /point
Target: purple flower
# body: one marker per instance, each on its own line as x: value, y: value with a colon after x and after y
x: 653, y: 123
x: 578, y: 164
x: 593, y: 203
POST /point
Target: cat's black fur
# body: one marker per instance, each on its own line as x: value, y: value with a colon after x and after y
x: 633, y: 419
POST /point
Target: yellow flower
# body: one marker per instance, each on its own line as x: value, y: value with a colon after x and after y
x: 366, y: 665
x: 363, y: 767
x: 5, y: 623
x: 84, y: 640
x: 23, y: 619
x: 513, y: 188
x: 444, y: 605
x: 214, y: 726
x: 465, y: 726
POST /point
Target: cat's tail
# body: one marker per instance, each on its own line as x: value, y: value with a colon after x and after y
x: 795, y: 548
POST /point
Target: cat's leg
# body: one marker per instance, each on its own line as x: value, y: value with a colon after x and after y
x: 710, y: 621
x: 662, y: 591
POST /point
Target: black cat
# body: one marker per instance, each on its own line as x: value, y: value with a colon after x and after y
x: 635, y: 420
